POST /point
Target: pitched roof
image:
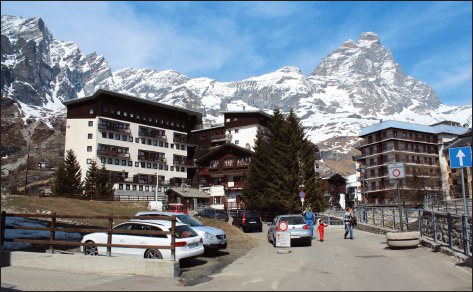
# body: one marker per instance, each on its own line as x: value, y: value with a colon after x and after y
x: 435, y: 129
x: 225, y: 148
x: 187, y: 192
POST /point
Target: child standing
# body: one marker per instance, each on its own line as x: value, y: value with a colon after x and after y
x: 321, y: 227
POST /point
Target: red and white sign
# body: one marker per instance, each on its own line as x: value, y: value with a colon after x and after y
x: 396, y: 170
x: 282, y: 226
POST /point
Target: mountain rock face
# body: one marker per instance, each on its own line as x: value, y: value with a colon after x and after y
x: 355, y: 86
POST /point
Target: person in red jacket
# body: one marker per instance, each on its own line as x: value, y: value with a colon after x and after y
x: 321, y: 227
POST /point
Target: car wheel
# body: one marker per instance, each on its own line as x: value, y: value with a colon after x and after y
x: 274, y: 241
x: 91, y: 249
x: 309, y: 242
x: 153, y: 254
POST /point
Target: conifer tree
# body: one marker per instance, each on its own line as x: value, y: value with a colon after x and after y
x: 104, y: 186
x: 73, y: 183
x: 90, y: 182
x: 254, y: 192
x: 59, y: 180
x: 283, y: 161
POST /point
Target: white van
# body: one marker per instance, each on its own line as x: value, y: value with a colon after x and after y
x: 155, y: 206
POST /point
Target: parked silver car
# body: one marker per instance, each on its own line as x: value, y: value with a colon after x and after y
x: 296, y: 226
x: 213, y: 238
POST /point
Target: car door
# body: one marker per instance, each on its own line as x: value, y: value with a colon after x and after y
x: 143, y: 239
x: 120, y: 238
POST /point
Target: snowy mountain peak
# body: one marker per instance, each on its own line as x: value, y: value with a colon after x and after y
x: 352, y: 87
x: 368, y: 39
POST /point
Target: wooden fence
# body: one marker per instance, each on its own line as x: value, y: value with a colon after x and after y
x: 53, y: 228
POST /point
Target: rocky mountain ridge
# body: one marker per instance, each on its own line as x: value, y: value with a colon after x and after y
x: 355, y: 86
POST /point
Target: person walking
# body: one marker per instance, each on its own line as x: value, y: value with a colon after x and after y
x: 310, y: 218
x: 348, y: 221
x: 321, y: 227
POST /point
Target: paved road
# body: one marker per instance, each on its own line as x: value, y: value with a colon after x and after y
x: 364, y: 263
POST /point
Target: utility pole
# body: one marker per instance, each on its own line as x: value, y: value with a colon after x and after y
x: 27, y: 167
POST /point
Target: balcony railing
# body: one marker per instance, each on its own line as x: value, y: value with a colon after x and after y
x: 114, y: 128
x: 113, y: 153
x: 152, y: 158
x: 398, y: 137
x: 227, y: 138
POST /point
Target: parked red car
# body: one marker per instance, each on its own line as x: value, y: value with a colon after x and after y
x: 177, y: 208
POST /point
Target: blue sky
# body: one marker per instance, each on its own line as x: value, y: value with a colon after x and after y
x: 232, y: 41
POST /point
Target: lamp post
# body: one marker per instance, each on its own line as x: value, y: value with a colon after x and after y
x: 157, y: 185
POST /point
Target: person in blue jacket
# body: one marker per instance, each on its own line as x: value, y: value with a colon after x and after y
x: 310, y: 218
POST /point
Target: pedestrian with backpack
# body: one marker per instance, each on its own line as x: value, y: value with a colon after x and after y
x: 349, y: 220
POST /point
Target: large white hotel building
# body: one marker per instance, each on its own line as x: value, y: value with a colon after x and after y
x: 136, y: 139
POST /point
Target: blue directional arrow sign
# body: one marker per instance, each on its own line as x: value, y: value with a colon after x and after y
x: 460, y: 157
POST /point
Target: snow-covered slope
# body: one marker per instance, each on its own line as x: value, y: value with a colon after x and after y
x: 356, y: 85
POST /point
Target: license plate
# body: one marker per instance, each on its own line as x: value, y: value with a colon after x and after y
x: 193, y: 244
x: 252, y: 221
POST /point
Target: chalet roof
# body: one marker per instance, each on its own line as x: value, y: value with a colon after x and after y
x: 247, y: 112
x: 434, y: 129
x: 187, y: 192
x: 225, y: 148
x: 101, y: 92
x: 461, y: 141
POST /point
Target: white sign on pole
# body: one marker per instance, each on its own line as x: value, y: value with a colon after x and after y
x: 283, y: 239
x: 396, y: 170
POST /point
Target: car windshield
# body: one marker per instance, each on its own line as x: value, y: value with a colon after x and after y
x: 293, y: 220
x: 252, y: 214
x: 186, y: 219
x: 184, y: 231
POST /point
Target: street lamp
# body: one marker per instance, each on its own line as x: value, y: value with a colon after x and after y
x: 157, y: 185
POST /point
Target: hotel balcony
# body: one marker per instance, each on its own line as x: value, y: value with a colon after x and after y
x: 151, y: 133
x: 114, y: 127
x: 113, y: 153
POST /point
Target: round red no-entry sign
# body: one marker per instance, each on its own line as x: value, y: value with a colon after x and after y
x: 283, y: 226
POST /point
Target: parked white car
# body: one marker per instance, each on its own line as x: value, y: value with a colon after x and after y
x: 213, y: 238
x: 188, y: 242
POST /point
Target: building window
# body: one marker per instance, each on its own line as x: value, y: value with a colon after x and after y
x: 89, y: 136
x: 141, y: 188
x: 117, y: 136
x: 125, y: 114
x: 127, y: 186
x: 104, y: 134
x: 124, y: 138
x: 89, y: 148
x: 148, y: 165
x: 91, y: 111
x: 103, y: 160
x: 89, y: 161
x: 117, y: 161
x: 133, y: 187
x: 172, y: 168
x: 130, y: 163
x: 120, y: 186
x: 110, y: 161
x: 137, y: 140
x: 237, y: 142
x: 124, y: 162
x: 137, y: 164
x: 172, y: 146
x: 130, y: 139
x: 165, y: 167
x: 110, y: 135
x: 91, y: 123
x: 236, y: 131
x: 147, y: 188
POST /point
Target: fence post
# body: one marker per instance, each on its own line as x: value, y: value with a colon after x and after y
x: 449, y: 229
x: 407, y: 219
x: 382, y: 217
x: 173, y: 237
x: 465, y: 236
x: 109, y: 235
x: 374, y: 220
x: 394, y: 219
x: 4, y: 216
x: 434, y: 225
x: 52, y: 233
x: 420, y: 222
